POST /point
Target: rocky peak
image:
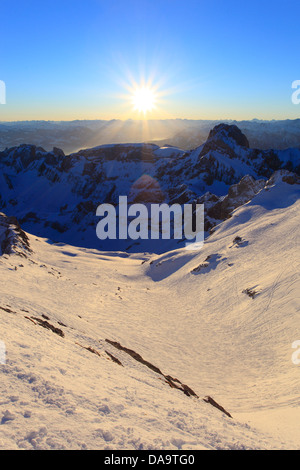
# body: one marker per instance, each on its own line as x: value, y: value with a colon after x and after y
x: 225, y: 132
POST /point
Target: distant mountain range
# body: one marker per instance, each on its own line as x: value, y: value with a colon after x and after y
x: 183, y: 133
x: 54, y: 195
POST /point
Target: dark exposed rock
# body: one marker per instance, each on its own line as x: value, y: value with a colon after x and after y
x: 114, y: 359
x: 270, y: 163
x: 135, y: 356
x: 48, y: 326
x: 285, y: 176
x: 212, y: 402
x: 250, y: 292
x: 6, y: 309
x: 223, y: 132
x: 238, y: 194
x: 181, y: 195
x: 58, y: 152
x: 291, y: 179
x: 56, y: 226
x: 12, y: 238
x: 172, y: 382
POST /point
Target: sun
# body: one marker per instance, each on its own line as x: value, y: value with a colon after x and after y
x: 144, y: 99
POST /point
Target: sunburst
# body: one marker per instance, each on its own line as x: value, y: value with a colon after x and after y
x: 144, y: 99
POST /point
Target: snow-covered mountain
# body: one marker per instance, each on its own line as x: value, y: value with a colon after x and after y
x: 184, y: 350
x: 56, y: 195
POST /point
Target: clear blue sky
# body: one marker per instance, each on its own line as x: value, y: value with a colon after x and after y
x: 70, y: 59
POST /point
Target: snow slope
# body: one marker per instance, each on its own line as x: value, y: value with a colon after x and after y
x: 221, y: 321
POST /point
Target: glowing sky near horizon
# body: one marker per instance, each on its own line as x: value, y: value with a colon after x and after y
x: 199, y: 59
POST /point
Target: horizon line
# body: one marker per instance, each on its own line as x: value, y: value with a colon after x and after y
x: 142, y: 120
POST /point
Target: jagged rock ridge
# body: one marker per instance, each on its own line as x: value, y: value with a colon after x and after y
x: 56, y: 195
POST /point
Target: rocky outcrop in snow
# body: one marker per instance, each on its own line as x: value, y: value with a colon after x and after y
x: 283, y: 176
x: 238, y: 194
x: 13, y: 240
